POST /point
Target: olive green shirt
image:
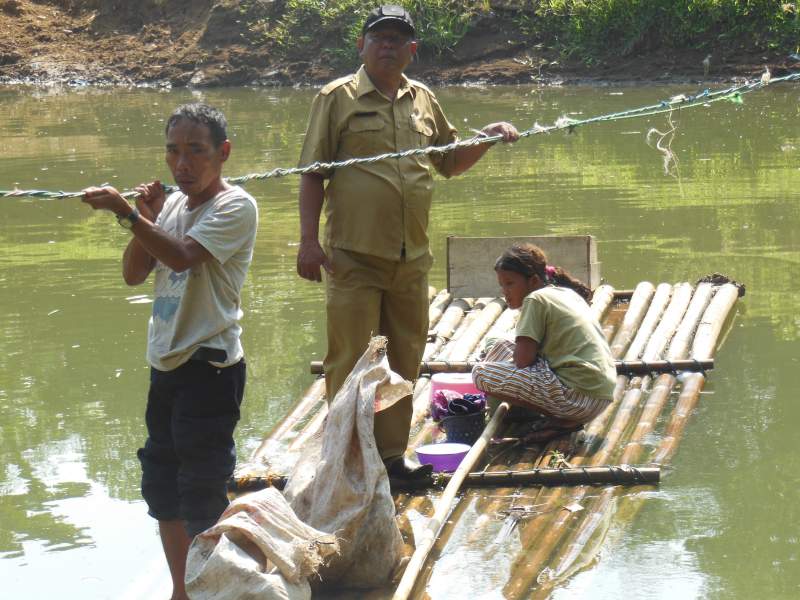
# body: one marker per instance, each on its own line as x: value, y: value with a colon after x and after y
x: 570, y: 340
x: 380, y: 209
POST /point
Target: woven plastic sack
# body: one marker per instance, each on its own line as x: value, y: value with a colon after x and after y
x: 258, y: 549
x: 340, y: 485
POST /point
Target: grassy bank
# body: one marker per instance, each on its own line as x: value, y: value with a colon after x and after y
x: 584, y: 30
x: 294, y: 42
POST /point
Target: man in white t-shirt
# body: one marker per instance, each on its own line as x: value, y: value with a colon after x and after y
x: 199, y: 241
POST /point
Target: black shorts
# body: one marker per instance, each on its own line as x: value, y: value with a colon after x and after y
x: 190, y: 454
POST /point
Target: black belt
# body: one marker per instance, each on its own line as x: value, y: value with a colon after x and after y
x: 206, y: 354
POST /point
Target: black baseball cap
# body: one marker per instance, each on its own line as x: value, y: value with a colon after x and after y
x: 389, y: 13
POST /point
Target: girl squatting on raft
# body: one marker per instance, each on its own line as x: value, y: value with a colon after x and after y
x: 559, y: 364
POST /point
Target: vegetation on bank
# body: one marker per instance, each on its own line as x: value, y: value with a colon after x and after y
x: 291, y: 42
x: 583, y: 30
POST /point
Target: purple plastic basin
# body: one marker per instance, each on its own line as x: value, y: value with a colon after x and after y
x: 444, y: 457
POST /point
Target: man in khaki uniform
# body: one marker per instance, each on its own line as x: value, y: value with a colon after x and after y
x: 376, y: 251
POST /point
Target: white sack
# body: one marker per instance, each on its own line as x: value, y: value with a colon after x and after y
x: 259, y: 549
x: 340, y: 485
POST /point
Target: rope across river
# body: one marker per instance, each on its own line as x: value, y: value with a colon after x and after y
x: 679, y: 102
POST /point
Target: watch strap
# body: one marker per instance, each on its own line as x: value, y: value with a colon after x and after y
x: 127, y: 221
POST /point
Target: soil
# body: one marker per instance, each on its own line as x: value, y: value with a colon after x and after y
x: 206, y: 43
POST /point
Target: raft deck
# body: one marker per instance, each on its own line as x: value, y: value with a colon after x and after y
x: 522, y: 541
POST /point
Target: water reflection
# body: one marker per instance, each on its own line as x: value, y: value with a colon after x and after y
x: 73, y: 375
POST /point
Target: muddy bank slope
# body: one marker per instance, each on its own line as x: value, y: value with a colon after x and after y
x: 238, y: 42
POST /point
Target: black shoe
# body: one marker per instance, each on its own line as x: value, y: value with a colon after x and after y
x: 402, y: 468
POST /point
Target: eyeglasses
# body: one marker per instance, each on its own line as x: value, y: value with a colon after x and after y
x: 393, y: 40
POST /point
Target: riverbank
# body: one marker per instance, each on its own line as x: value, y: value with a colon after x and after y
x: 206, y: 43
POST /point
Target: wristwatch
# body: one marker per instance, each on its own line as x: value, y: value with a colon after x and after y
x: 128, y: 220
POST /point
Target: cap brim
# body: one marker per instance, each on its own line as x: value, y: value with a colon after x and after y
x: 394, y: 20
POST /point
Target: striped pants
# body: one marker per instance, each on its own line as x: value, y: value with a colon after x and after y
x: 536, y: 387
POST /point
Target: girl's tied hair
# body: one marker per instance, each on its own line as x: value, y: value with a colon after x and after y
x: 528, y: 260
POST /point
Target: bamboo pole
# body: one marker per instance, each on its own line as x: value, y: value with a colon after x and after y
x: 421, y: 401
x: 651, y: 320
x: 314, y: 395
x: 448, y: 528
x: 687, y: 401
x: 447, y: 326
x: 565, y: 560
x: 712, y: 320
x: 708, y: 331
x: 469, y: 318
x: 678, y: 349
x: 444, y: 503
x: 624, y: 474
x: 630, y: 321
x: 602, y: 298
x: 530, y: 561
x: 485, y: 507
x: 640, y: 301
x: 474, y: 333
x: 670, y: 321
x: 612, y: 321
x: 624, y: 367
x: 681, y: 341
x: 530, y: 459
x: 675, y: 318
x: 313, y: 427
x: 437, y: 307
x: 704, y: 344
x: 504, y: 324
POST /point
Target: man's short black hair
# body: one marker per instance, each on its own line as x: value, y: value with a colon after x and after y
x: 205, y: 115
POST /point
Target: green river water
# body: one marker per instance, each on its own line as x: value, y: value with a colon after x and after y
x: 724, y: 523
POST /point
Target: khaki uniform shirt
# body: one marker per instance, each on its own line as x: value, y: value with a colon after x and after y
x: 380, y: 209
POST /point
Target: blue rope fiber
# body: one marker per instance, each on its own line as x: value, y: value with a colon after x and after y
x: 682, y: 101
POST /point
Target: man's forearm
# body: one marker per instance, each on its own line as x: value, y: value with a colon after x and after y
x: 466, y: 156
x: 177, y: 254
x: 312, y: 196
x: 136, y: 263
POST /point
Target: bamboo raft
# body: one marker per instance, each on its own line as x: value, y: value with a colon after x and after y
x: 523, y: 540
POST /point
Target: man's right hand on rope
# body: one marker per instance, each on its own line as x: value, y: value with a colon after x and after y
x: 310, y: 257
x: 150, y: 200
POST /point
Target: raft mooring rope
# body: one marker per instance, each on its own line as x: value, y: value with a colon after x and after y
x: 681, y: 101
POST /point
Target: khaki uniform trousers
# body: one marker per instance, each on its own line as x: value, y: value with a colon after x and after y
x: 366, y: 296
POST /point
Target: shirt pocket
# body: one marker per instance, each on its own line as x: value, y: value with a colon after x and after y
x: 422, y: 130
x: 365, y: 135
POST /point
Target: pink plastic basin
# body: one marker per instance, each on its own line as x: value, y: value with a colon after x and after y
x: 444, y: 457
x: 457, y: 382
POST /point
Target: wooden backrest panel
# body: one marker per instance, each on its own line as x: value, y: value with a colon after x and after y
x: 470, y: 261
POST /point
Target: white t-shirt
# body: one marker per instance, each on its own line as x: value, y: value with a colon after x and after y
x: 202, y: 305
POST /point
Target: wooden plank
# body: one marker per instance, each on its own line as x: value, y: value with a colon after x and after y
x: 470, y: 261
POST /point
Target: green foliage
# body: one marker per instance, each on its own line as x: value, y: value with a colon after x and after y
x: 441, y: 24
x: 330, y: 26
x: 590, y: 29
x: 333, y: 27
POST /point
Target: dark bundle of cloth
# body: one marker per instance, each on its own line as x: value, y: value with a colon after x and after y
x: 447, y: 403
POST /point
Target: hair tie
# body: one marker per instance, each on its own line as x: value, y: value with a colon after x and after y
x: 549, y: 273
